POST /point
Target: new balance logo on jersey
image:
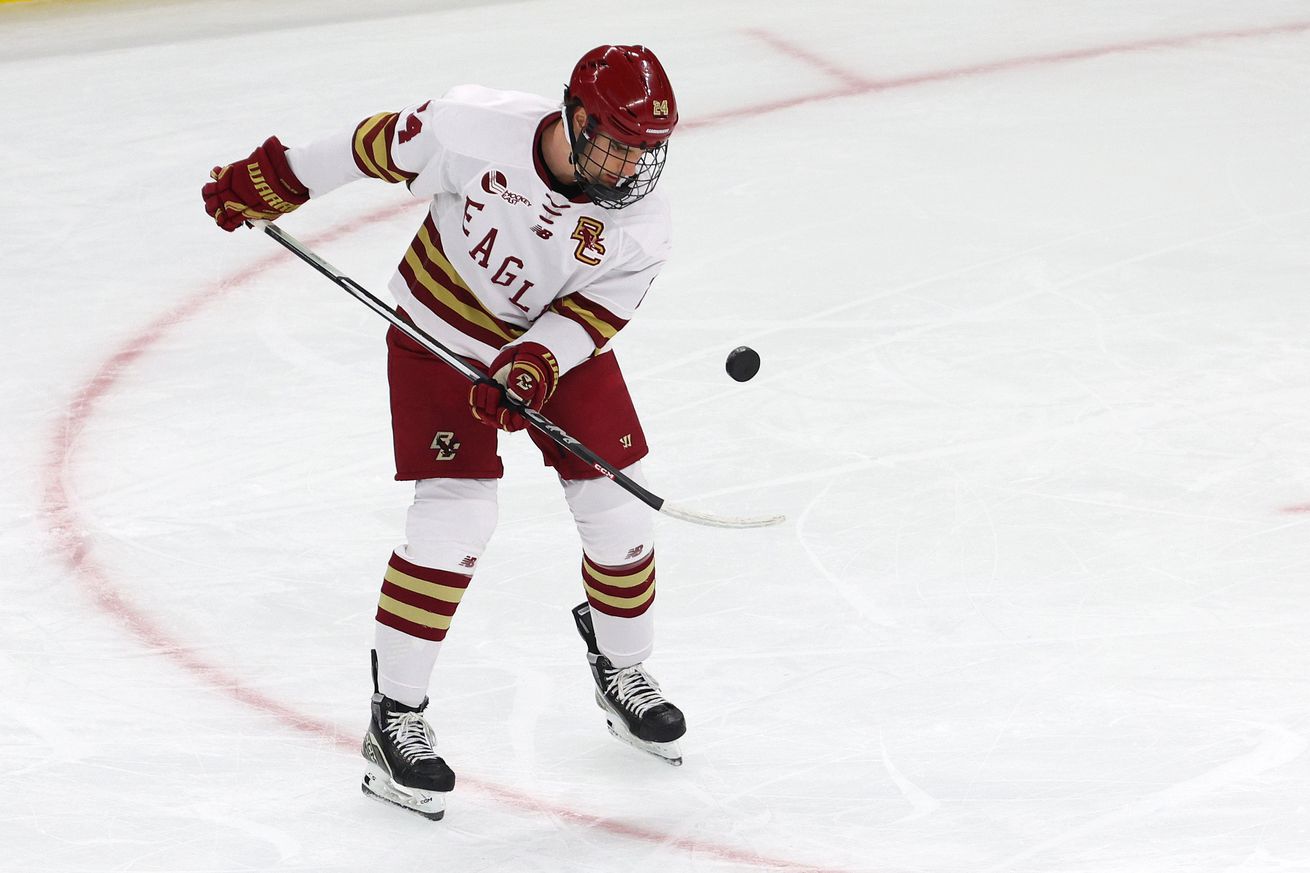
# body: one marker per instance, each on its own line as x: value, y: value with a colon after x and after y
x: 445, y: 445
x: 635, y: 552
x: 469, y: 562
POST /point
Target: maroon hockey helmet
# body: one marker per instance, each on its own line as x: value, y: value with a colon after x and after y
x: 631, y: 112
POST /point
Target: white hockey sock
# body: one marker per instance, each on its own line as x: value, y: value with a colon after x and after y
x: 447, y: 528
x: 618, y: 572
x: 404, y: 664
x: 625, y: 641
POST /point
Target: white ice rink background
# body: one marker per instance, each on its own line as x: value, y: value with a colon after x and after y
x: 1030, y: 284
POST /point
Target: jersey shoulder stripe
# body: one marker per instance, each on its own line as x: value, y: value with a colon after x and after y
x: 372, y: 148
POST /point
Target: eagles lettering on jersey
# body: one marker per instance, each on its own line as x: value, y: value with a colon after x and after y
x: 505, y: 249
x: 435, y: 284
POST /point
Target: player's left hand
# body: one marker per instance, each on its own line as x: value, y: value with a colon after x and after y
x: 527, y: 373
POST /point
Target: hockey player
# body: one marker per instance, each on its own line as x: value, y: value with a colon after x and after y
x: 543, y: 234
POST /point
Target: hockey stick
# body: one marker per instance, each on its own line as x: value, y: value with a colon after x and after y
x: 543, y: 424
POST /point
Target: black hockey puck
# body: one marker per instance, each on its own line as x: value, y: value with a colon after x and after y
x: 743, y: 363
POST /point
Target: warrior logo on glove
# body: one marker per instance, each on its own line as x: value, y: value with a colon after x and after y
x: 260, y: 188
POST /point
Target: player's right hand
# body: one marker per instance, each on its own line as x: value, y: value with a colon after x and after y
x: 258, y: 188
x: 527, y: 373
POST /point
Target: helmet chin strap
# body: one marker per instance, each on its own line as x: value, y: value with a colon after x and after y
x: 568, y: 130
x: 577, y: 142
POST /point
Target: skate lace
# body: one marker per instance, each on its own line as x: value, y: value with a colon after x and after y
x: 634, y: 689
x: 412, y: 736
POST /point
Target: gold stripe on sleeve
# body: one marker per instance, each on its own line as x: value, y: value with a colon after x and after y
x: 602, y: 328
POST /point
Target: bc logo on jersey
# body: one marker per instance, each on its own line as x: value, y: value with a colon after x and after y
x: 590, y: 246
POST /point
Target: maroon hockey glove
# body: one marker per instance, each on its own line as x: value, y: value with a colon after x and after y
x: 528, y: 372
x: 261, y: 187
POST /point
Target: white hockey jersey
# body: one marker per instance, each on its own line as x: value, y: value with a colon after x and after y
x: 506, y: 252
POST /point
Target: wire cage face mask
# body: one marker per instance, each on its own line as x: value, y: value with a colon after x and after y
x: 607, y: 172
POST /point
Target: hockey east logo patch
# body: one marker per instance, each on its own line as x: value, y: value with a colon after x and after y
x: 495, y: 183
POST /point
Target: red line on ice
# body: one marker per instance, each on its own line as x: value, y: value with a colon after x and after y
x: 71, y: 540
x: 852, y: 84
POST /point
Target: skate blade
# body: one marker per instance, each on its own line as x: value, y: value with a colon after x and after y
x: 378, y: 785
x: 669, y: 753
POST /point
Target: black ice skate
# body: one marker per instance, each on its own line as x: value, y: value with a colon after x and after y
x: 403, y: 765
x: 635, y: 710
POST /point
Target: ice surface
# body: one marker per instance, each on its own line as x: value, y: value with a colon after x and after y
x: 1029, y: 281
